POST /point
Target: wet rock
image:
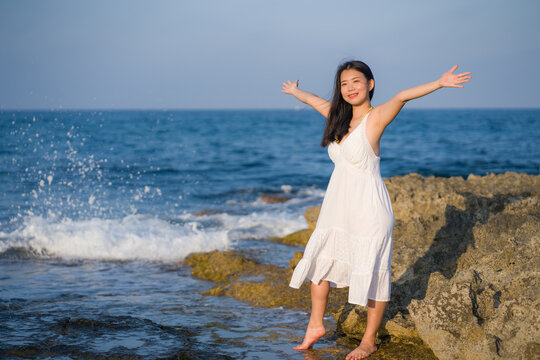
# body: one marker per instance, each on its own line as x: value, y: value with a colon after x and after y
x: 273, y: 198
x: 20, y: 253
x: 388, y: 350
x: 267, y: 286
x: 260, y: 285
x: 74, y: 333
x: 351, y: 321
x: 207, y: 212
x: 298, y: 238
x: 219, y: 266
x: 196, y: 355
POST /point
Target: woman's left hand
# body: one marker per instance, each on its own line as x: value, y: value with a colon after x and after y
x: 448, y: 79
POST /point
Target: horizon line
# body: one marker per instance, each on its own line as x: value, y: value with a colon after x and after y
x: 248, y: 109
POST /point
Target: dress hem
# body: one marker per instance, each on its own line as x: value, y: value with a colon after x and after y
x: 345, y: 259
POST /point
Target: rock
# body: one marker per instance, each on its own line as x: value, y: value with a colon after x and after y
x: 187, y: 345
x: 273, y: 198
x: 465, y: 266
x: 351, y: 321
x: 490, y: 308
x: 207, y: 212
x: 219, y: 266
x: 311, y: 215
x: 465, y: 274
x: 260, y: 285
x: 298, y: 238
x: 295, y: 259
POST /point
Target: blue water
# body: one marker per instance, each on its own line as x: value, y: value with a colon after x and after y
x: 98, y: 208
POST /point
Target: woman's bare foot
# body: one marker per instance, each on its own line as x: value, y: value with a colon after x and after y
x: 362, y: 351
x: 312, y: 336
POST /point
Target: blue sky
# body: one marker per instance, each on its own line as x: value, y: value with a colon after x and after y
x: 235, y: 54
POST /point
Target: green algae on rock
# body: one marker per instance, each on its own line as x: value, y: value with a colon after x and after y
x: 298, y: 238
x: 311, y: 215
x: 257, y: 284
x: 295, y: 259
x: 267, y: 286
x: 218, y: 266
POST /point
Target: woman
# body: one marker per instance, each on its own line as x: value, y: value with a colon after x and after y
x: 352, y: 241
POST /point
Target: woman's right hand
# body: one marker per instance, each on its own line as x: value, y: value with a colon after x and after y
x: 321, y: 105
x: 289, y: 87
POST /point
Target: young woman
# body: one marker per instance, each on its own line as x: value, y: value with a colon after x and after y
x: 352, y: 241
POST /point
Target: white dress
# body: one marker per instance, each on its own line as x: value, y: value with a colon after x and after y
x: 352, y: 241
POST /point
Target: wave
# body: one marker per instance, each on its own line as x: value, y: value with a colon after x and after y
x: 140, y: 237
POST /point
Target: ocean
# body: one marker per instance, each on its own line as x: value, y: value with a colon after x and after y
x: 99, y: 208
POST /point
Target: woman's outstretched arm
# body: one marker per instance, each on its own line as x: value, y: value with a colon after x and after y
x: 319, y: 104
x: 389, y: 110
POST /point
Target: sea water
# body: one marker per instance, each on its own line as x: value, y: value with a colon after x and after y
x: 99, y: 208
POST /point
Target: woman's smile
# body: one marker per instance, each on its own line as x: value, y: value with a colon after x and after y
x: 354, y: 86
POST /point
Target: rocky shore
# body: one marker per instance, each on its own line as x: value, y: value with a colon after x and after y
x: 465, y: 271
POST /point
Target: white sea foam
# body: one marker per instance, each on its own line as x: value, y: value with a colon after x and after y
x: 259, y: 225
x: 132, y: 237
x: 139, y: 237
x: 312, y: 191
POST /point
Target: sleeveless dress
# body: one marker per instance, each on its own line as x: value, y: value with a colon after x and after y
x: 352, y: 241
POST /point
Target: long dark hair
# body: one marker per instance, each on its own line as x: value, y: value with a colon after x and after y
x: 341, y: 112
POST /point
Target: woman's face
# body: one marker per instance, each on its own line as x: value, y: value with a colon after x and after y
x: 355, y: 87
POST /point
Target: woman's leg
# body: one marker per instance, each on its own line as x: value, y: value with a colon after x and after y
x: 374, y: 318
x: 315, y: 328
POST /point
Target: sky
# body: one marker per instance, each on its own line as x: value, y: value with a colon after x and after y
x: 234, y: 54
